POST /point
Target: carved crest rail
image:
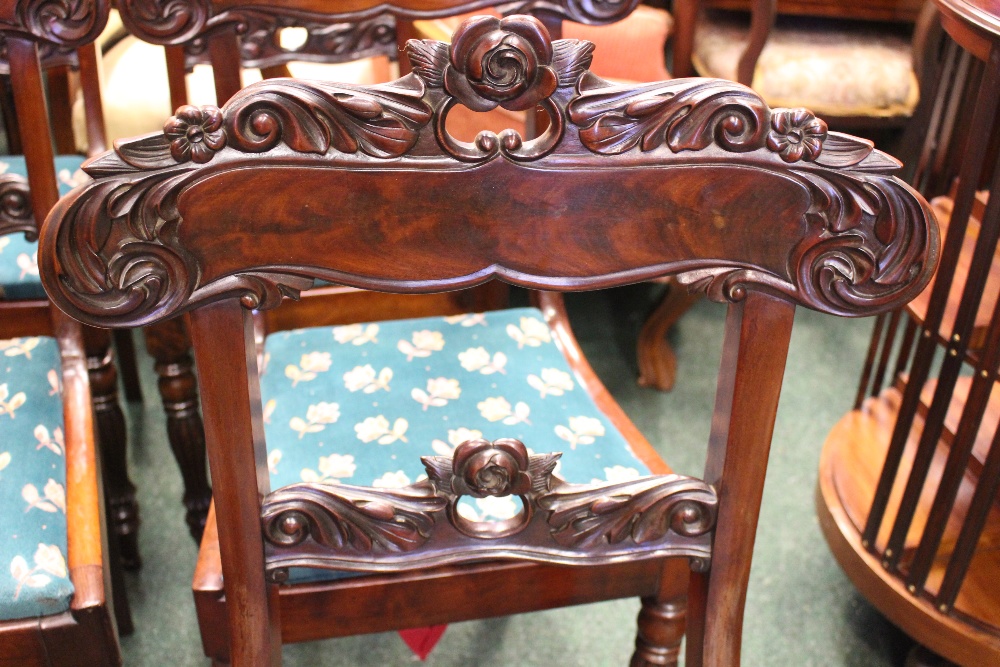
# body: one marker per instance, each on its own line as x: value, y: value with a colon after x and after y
x: 345, y: 527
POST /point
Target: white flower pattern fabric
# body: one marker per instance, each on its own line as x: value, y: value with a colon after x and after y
x: 34, y: 579
x: 411, y: 388
x: 18, y: 256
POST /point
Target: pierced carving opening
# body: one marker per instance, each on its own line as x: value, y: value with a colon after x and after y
x: 292, y: 38
x: 491, y: 517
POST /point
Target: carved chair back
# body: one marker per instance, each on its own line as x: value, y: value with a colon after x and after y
x: 291, y: 181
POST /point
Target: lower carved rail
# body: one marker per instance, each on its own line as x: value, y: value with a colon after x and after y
x: 354, y: 528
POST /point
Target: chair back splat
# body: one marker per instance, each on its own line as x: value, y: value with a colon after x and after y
x: 292, y: 181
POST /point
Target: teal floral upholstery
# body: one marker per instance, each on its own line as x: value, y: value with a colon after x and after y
x: 361, y: 404
x: 18, y: 256
x: 34, y: 580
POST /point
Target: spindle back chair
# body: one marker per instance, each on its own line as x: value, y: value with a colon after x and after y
x: 292, y: 181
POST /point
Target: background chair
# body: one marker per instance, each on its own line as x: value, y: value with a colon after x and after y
x: 54, y: 602
x: 571, y: 224
x: 40, y: 176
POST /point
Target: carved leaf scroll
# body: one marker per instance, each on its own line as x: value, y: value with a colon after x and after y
x: 643, y: 510
x: 341, y: 526
x: 351, y: 518
x: 683, y: 114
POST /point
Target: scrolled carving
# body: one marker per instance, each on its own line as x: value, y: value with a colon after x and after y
x: 684, y: 114
x: 166, y: 21
x: 592, y: 12
x: 350, y: 518
x: 65, y: 24
x: 261, y: 41
x: 642, y: 510
x: 381, y: 121
x: 340, y: 526
x: 15, y: 207
x: 866, y: 252
x: 868, y: 248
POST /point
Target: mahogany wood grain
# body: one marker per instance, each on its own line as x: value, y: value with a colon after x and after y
x: 753, y: 363
x: 238, y: 458
x: 878, y: 10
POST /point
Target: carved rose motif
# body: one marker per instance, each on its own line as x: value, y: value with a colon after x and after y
x: 195, y: 133
x: 484, y: 468
x: 796, y: 135
x: 501, y: 62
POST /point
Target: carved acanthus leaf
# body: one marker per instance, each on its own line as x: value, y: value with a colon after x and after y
x: 351, y: 518
x: 684, y: 114
x: 428, y: 58
x: 571, y: 58
x: 868, y: 248
x: 842, y: 151
x: 643, y: 510
x: 382, y: 121
x: 15, y: 207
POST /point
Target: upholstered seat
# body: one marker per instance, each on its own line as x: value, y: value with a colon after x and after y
x: 18, y: 256
x: 34, y: 578
x: 835, y: 68
x: 423, y: 386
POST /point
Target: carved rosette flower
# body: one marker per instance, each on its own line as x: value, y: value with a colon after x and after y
x: 501, y: 62
x: 195, y: 133
x: 482, y: 468
x: 796, y: 134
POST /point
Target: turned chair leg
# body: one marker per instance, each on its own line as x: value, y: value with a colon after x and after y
x: 170, y: 346
x: 657, y: 361
x: 122, y: 507
x: 125, y: 346
x: 661, y: 629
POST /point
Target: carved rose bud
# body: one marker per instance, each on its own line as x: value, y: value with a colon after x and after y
x: 195, y: 133
x: 501, y: 62
x: 484, y: 468
x: 796, y: 134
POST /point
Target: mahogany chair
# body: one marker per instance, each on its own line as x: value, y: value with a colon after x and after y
x: 236, y: 209
x: 31, y: 183
x: 54, y: 603
x: 248, y: 35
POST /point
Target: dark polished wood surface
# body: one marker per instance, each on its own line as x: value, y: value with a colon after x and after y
x: 238, y: 208
x: 874, y: 10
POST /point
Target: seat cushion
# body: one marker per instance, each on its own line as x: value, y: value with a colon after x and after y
x: 361, y: 404
x: 34, y: 580
x: 834, y: 68
x: 18, y: 256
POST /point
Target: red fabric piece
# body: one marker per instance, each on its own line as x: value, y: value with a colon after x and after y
x: 423, y: 640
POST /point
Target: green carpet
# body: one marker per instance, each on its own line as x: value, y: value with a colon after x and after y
x: 801, y: 609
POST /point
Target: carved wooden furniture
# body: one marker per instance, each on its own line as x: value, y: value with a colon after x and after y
x: 41, y: 31
x: 236, y: 209
x: 232, y: 36
x: 857, y: 73
x: 908, y: 481
x: 54, y: 598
